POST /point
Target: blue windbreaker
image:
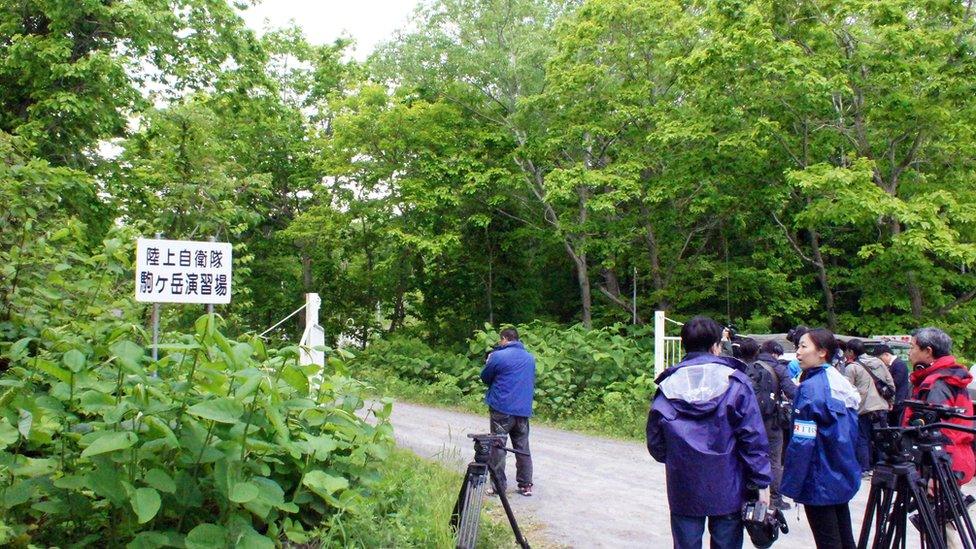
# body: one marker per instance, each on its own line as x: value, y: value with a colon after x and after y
x: 821, y: 463
x: 705, y: 426
x: 510, y: 376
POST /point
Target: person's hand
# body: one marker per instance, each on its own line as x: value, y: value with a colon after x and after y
x: 764, y: 496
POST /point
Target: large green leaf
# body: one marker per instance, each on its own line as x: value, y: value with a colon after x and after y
x: 110, y: 443
x: 221, y: 410
x: 130, y: 355
x: 74, y: 360
x: 206, y: 536
x: 243, y: 492
x: 145, y: 502
x: 158, y: 479
x: 323, y: 483
x: 8, y: 433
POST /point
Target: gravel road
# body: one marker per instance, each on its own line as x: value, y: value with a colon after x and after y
x: 589, y: 491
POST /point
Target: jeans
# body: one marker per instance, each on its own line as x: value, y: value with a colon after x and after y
x: 517, y: 428
x: 725, y: 531
x: 831, y: 525
x: 867, y: 423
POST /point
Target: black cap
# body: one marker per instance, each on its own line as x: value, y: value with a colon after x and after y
x: 882, y: 349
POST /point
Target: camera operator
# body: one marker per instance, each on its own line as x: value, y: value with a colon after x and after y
x: 939, y: 379
x: 870, y: 377
x: 509, y: 373
x: 705, y: 426
x: 899, y: 374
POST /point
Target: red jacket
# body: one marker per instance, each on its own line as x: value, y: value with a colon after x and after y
x: 945, y: 382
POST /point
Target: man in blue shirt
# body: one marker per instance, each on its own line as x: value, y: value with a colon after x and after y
x: 509, y: 373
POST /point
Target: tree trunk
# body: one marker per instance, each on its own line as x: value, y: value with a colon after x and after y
x: 611, y: 289
x: 914, y: 292
x: 823, y: 279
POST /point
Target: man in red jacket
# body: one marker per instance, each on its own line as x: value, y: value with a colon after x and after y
x: 939, y: 379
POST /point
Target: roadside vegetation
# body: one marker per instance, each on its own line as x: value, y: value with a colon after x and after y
x: 597, y: 381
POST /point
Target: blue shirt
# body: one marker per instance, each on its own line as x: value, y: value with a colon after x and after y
x: 510, y: 376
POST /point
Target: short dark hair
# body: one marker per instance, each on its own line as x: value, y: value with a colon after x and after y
x: 841, y: 346
x: 795, y: 333
x: 699, y: 334
x: 855, y: 346
x: 823, y: 340
x: 772, y: 347
x: 509, y: 334
x: 748, y: 349
x: 882, y: 349
x: 935, y: 339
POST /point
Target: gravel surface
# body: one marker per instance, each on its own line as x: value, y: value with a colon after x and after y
x: 589, y: 491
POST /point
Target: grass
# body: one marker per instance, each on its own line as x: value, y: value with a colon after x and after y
x: 411, y: 506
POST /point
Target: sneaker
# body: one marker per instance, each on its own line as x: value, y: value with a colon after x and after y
x: 525, y: 490
x: 490, y: 492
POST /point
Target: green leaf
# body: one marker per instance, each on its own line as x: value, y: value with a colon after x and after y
x: 74, y: 360
x: 243, y: 492
x: 129, y: 354
x: 221, y: 410
x: 323, y: 483
x: 148, y: 540
x: 145, y: 502
x: 296, y: 378
x: 110, y: 443
x: 158, y: 479
x: 8, y: 434
x: 206, y: 536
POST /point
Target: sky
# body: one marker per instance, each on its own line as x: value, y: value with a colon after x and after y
x: 369, y: 22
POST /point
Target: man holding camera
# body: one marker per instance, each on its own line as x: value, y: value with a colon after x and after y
x: 939, y: 379
x: 874, y: 383
x: 509, y: 373
x: 705, y: 426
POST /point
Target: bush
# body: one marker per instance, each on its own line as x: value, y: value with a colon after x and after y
x: 597, y: 380
x: 218, y: 443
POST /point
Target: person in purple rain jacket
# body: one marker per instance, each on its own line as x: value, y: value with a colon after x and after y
x: 705, y: 426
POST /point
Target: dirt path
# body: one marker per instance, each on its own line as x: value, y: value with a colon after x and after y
x: 589, y: 491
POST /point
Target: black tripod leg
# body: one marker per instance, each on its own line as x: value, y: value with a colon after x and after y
x: 931, y: 535
x: 462, y: 495
x: 869, y: 514
x: 508, y: 512
x: 957, y: 512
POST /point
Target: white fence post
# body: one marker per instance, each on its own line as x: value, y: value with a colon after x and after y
x: 314, y: 335
x: 658, y: 343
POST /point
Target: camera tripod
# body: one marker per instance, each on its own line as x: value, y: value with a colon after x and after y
x: 467, y: 511
x: 916, y: 476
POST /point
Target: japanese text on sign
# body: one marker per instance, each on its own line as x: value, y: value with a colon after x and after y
x: 183, y: 271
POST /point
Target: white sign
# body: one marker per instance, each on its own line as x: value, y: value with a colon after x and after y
x: 899, y: 338
x: 183, y: 271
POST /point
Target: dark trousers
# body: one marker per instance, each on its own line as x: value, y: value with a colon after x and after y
x: 775, y: 435
x: 867, y: 423
x: 517, y: 428
x: 831, y: 525
x: 725, y: 531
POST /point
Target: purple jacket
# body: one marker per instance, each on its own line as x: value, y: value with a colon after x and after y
x: 705, y: 426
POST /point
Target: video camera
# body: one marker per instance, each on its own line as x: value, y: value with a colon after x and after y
x: 763, y: 523
x: 901, y: 444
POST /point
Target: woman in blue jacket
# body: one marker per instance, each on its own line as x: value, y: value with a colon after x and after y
x: 821, y: 469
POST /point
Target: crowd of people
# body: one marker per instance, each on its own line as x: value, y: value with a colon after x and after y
x: 736, y: 422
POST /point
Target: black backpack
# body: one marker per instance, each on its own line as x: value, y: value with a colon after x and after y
x: 765, y: 387
x: 886, y: 391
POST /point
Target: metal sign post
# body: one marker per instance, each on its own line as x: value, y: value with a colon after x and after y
x: 182, y: 271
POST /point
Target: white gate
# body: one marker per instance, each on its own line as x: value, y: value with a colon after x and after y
x: 667, y: 349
